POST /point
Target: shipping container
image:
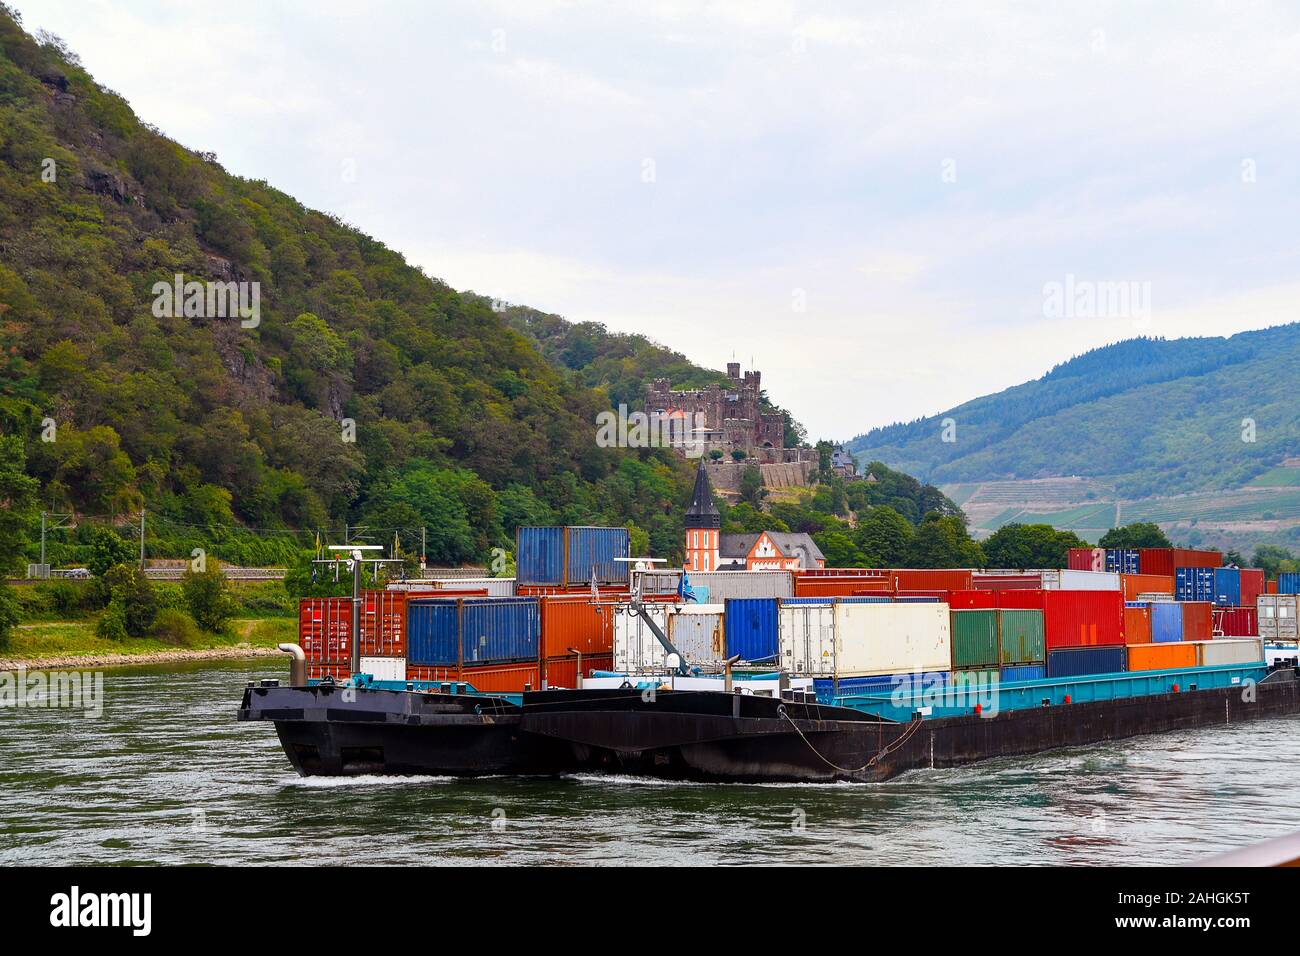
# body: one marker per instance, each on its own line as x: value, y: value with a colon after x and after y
x: 571, y: 555
x: 1226, y: 652
x: 696, y: 630
x: 1138, y: 584
x: 1073, y: 618
x: 751, y: 628
x: 1165, y: 560
x: 384, y: 668
x: 1227, y: 587
x: 1021, y: 672
x: 1198, y: 621
x: 969, y: 600
x: 913, y: 597
x: 724, y: 585
x: 1086, y: 559
x: 563, y: 671
x: 486, y: 587
x: 1277, y: 616
x: 470, y: 631
x: 1123, y: 560
x: 1007, y: 581
x: 1167, y: 656
x: 1236, y: 622
x: 573, y: 623
x: 891, y: 638
x: 1252, y: 586
x: 876, y: 574
x: 383, y: 623
x: 1020, y: 636
x: 907, y: 579
x: 1166, y: 623
x: 1288, y: 582
x: 1080, y: 581
x: 503, y: 678
x: 974, y: 639
x: 318, y: 670
x: 1194, y: 584
x: 636, y: 649
x: 324, y: 625
x: 805, y: 586
x: 1081, y: 661
x: 1137, y: 624
x: 827, y: 688
x: 806, y: 637
x: 1270, y: 587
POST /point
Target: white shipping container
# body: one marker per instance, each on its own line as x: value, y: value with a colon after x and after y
x: 697, y: 633
x: 636, y: 649
x: 806, y: 639
x: 1225, y: 651
x: 1066, y: 580
x: 1277, y: 617
x: 891, y: 639
x: 743, y: 584
x: 384, y: 668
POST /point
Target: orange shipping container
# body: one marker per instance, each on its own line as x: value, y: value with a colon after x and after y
x: 563, y: 671
x: 324, y: 625
x: 1270, y: 587
x: 499, y: 679
x: 1198, y: 621
x: 839, y: 586
x: 1137, y: 625
x: 1135, y: 584
x: 318, y: 671
x: 572, y: 623
x: 1161, y: 657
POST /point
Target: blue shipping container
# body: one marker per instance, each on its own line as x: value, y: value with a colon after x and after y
x: 1194, y: 584
x: 750, y: 625
x: 824, y: 687
x: 1288, y: 582
x: 594, y: 551
x: 1227, y: 587
x: 472, y: 631
x: 1122, y: 560
x: 1024, y: 672
x: 1166, y: 622
x: 1077, y: 661
x: 539, y: 556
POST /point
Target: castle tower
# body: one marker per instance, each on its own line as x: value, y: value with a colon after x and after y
x: 702, y: 526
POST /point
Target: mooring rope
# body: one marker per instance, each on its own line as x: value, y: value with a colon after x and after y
x: 902, y: 739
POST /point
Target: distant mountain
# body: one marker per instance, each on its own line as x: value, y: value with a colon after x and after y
x: 1185, y: 431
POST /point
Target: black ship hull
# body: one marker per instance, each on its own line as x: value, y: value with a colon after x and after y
x: 700, y: 736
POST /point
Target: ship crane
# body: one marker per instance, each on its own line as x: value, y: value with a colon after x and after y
x: 639, y: 568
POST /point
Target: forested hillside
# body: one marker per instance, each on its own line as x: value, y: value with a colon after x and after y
x: 458, y: 423
x: 1154, y: 416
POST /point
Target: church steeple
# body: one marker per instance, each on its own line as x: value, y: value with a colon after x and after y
x: 702, y: 526
x: 702, y: 513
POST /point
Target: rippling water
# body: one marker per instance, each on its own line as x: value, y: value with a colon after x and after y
x: 166, y: 775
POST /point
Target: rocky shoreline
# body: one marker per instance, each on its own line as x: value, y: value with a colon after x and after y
x: 83, y: 661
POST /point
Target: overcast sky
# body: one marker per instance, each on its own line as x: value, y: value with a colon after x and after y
x: 870, y: 206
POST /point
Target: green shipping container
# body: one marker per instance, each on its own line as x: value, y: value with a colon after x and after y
x: 1021, y: 636
x: 974, y: 639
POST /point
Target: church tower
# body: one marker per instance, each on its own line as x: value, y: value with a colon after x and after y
x: 702, y: 526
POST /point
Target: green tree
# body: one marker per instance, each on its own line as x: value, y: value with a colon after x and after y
x: 131, y: 595
x: 883, y: 536
x: 1141, y: 534
x: 18, y: 503
x: 942, y: 541
x: 207, y: 596
x: 1273, y: 559
x: 10, y: 614
x: 1030, y: 546
x: 107, y: 548
x: 838, y: 549
x: 751, y: 485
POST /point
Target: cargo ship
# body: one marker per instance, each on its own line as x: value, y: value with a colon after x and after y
x: 871, y: 674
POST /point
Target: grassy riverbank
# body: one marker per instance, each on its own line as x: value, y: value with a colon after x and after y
x: 51, y: 643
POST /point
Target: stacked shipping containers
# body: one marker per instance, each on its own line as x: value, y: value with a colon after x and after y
x: 1084, y: 630
x: 493, y: 642
x: 567, y: 556
x: 574, y: 630
x: 1277, y: 617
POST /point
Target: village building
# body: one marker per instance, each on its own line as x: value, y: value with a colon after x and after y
x: 707, y: 549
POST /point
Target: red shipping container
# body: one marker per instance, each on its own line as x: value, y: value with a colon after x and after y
x: 324, y: 626
x: 1236, y: 622
x: 1165, y: 560
x: 1252, y: 586
x: 838, y: 586
x: 1086, y: 559
x: 428, y: 673
x: 1007, y: 582
x: 1073, y: 618
x: 499, y: 679
x: 1135, y: 584
x: 611, y: 592
x: 1137, y: 625
x: 969, y: 600
x: 1270, y: 587
x: 930, y: 580
x: 383, y: 622
x: 563, y: 671
x: 881, y: 574
x: 1198, y: 620
x: 574, y: 623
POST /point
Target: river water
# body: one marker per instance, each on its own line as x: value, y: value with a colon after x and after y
x: 166, y: 775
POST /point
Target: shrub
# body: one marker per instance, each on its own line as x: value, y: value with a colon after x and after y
x: 128, y: 589
x: 173, y: 626
x: 9, y: 614
x: 107, y: 549
x: 206, y: 597
x: 112, y: 623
